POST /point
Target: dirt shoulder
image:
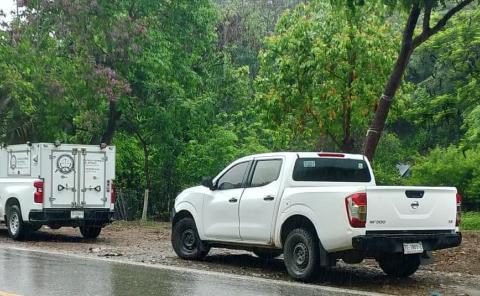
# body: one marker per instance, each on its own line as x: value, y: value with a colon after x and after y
x: 454, y: 272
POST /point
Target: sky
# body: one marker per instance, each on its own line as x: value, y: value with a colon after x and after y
x: 7, y: 6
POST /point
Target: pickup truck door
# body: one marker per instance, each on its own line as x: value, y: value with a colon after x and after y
x: 220, y: 208
x: 257, y: 205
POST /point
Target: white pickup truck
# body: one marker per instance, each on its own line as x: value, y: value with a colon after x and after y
x: 56, y: 185
x: 315, y: 208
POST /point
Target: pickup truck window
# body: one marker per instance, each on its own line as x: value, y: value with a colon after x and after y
x: 233, y: 178
x: 266, y: 171
x: 331, y: 170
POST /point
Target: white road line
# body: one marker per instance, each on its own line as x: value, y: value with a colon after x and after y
x: 203, y: 272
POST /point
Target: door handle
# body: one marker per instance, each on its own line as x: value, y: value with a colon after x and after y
x: 233, y: 199
x: 269, y: 198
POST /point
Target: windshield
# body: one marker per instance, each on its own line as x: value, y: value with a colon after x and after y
x: 331, y: 170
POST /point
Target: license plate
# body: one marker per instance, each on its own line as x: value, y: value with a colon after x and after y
x: 76, y: 214
x: 412, y: 248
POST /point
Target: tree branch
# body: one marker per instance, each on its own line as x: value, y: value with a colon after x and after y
x: 426, y: 16
x: 440, y: 24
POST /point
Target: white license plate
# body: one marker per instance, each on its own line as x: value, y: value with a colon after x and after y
x: 76, y: 214
x: 412, y: 248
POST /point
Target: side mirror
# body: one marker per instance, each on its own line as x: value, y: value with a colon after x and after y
x: 208, y: 182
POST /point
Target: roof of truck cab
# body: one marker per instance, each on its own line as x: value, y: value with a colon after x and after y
x: 305, y: 155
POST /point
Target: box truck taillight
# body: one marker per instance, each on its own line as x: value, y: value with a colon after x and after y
x: 113, y: 193
x: 38, y: 195
x: 459, y: 209
x: 357, y: 209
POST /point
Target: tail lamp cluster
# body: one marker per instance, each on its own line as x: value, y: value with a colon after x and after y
x: 356, y: 205
x: 38, y: 194
x: 113, y: 193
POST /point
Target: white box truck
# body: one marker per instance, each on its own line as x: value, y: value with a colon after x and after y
x: 56, y: 185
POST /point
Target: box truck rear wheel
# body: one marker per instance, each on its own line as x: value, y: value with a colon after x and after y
x: 90, y: 231
x: 17, y: 229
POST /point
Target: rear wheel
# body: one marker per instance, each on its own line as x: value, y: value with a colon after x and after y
x: 186, y: 242
x: 300, y: 254
x: 17, y: 229
x: 90, y: 231
x: 399, y: 265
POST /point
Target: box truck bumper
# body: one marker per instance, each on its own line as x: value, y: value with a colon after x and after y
x: 71, y: 217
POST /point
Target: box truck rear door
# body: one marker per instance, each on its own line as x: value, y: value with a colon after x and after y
x: 64, y: 179
x: 94, y: 183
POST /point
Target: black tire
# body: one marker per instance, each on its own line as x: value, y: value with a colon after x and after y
x: 90, y: 231
x: 267, y: 254
x: 300, y: 254
x: 17, y: 229
x: 399, y: 265
x: 186, y: 242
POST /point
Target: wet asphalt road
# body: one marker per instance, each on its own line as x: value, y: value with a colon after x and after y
x: 34, y: 273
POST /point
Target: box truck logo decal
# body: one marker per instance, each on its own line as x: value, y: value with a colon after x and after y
x: 65, y: 164
x: 13, y: 162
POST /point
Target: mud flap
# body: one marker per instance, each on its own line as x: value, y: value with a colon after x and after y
x: 326, y: 260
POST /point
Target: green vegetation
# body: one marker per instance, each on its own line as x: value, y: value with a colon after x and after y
x: 470, y: 221
x: 184, y: 87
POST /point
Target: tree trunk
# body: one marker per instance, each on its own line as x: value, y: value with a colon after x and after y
x: 148, y: 181
x: 113, y: 117
x: 4, y: 102
x: 375, y: 131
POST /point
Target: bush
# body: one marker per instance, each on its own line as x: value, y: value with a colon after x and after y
x: 470, y: 221
x: 449, y: 167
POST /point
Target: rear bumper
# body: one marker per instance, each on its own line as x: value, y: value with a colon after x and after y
x: 385, y: 243
x: 62, y: 217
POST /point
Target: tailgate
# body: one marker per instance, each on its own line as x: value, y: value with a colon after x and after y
x: 402, y: 208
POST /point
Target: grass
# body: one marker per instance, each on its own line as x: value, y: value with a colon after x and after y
x: 470, y: 221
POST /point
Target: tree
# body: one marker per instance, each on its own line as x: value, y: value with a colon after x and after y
x: 410, y: 42
x: 440, y: 110
x: 320, y: 70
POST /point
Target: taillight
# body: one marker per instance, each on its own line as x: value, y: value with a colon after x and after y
x: 38, y: 195
x: 459, y: 209
x: 113, y: 192
x: 357, y: 209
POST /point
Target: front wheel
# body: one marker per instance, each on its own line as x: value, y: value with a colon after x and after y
x: 185, y: 240
x: 399, y: 265
x: 17, y: 229
x: 300, y: 254
x: 90, y: 231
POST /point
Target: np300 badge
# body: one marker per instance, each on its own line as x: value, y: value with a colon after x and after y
x: 65, y: 164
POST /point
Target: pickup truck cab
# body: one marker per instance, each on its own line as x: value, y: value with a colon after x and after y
x: 315, y: 208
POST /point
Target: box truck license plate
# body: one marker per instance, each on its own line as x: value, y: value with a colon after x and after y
x: 412, y: 248
x: 76, y: 214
